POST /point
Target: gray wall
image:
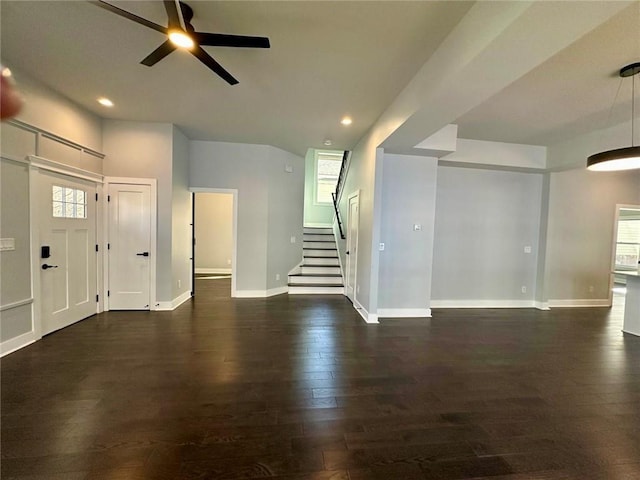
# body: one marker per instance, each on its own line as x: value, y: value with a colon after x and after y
x: 270, y: 206
x: 314, y: 214
x: 484, y: 219
x: 144, y: 150
x: 286, y: 209
x: 582, y: 208
x: 180, y: 216
x: 408, y: 198
x: 214, y: 231
x: 15, y: 266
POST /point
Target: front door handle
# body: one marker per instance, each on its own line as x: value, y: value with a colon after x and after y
x: 143, y: 254
x: 347, y: 252
x: 45, y: 266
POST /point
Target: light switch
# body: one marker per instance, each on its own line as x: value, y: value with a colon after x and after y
x: 381, y: 247
x: 293, y: 239
x: 527, y: 249
x: 288, y: 168
x: 7, y: 244
x: 417, y: 227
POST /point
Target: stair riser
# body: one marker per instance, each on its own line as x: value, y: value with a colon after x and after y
x: 319, y: 245
x: 319, y: 253
x: 321, y: 261
x: 316, y: 290
x: 317, y: 238
x: 320, y: 269
x: 318, y: 230
x: 316, y: 280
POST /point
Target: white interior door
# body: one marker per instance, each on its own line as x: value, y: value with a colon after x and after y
x: 352, y: 246
x: 68, y: 258
x: 130, y: 247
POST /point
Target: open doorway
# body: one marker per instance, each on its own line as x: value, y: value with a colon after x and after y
x: 214, y: 245
x: 626, y: 248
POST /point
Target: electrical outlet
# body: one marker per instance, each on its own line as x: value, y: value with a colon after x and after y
x: 591, y: 289
x: 524, y: 289
x: 179, y: 283
x: 527, y: 249
x: 358, y: 289
x: 228, y: 261
x: 277, y: 276
x: 293, y: 239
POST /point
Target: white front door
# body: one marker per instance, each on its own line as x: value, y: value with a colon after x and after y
x: 68, y: 258
x: 352, y: 246
x: 129, y: 247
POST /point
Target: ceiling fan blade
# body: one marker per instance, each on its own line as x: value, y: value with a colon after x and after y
x: 172, y: 13
x: 224, y: 40
x: 159, y: 53
x: 129, y: 15
x: 205, y: 58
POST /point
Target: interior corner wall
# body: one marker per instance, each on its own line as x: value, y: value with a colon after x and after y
x: 285, y: 216
x: 181, y: 217
x: 580, y: 236
x: 145, y: 150
x: 242, y: 167
x: 408, y: 198
x: 314, y: 213
x: 214, y: 232
x: 484, y: 220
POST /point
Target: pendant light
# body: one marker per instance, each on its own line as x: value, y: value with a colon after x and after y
x: 627, y: 158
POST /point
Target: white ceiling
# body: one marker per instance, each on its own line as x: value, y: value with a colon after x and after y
x: 568, y: 95
x: 327, y: 59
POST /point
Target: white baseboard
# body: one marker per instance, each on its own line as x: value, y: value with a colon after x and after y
x: 482, y: 304
x: 366, y: 316
x: 226, y: 271
x: 404, y: 312
x: 261, y: 293
x: 173, y: 304
x: 542, y: 305
x: 16, y: 343
x: 580, y: 302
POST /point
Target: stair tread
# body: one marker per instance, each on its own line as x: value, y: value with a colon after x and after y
x: 316, y: 274
x: 318, y: 248
x: 313, y: 265
x: 315, y: 256
x: 317, y: 233
x: 323, y: 285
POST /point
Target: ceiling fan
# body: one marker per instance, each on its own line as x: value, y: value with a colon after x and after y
x: 181, y: 34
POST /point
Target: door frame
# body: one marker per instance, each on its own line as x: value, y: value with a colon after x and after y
x: 234, y: 233
x: 37, y: 164
x: 614, y: 240
x: 153, y: 191
x: 348, y: 261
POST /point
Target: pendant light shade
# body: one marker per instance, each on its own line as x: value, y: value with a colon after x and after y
x: 621, y: 158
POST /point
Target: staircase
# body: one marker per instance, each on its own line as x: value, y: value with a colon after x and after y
x: 319, y: 272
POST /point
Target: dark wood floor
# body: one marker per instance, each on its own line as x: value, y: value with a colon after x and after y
x: 300, y: 388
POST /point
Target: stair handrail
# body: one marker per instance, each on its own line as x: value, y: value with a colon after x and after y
x: 336, y: 195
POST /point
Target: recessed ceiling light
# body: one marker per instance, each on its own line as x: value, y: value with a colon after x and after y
x: 181, y: 39
x: 346, y: 121
x: 105, y: 102
x: 328, y: 142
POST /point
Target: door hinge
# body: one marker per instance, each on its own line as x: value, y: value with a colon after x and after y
x: 108, y: 198
x: 96, y: 247
x: 97, y: 298
x: 108, y: 293
x: 108, y: 246
x: 96, y: 197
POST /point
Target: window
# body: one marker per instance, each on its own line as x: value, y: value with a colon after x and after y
x: 69, y: 202
x: 628, y: 242
x: 327, y: 171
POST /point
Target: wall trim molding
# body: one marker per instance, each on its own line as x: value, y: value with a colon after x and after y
x: 226, y: 271
x: 57, y: 167
x: 482, y: 304
x: 404, y: 312
x: 579, y: 302
x: 173, y: 304
x: 542, y: 305
x: 366, y: 316
x: 261, y: 293
x: 317, y: 225
x: 17, y: 304
x: 16, y: 343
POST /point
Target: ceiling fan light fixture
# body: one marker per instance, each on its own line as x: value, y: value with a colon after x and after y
x: 181, y: 39
x: 621, y: 158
